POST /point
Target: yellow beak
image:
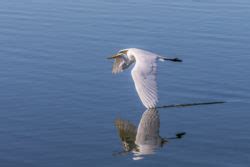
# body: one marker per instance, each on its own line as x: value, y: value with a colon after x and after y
x: 114, y: 56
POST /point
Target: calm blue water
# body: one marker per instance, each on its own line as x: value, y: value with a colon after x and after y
x: 59, y: 101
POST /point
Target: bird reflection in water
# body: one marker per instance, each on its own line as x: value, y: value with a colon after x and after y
x: 145, y: 139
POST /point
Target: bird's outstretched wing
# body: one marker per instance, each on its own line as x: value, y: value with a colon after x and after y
x: 127, y: 132
x: 144, y: 76
x: 148, y: 129
x: 120, y: 64
x: 117, y: 66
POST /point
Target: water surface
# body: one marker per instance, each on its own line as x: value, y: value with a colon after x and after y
x: 59, y: 100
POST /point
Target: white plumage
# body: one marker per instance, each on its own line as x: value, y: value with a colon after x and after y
x: 143, y: 140
x: 143, y: 73
x: 147, y: 137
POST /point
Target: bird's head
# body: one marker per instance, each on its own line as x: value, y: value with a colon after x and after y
x: 120, y: 53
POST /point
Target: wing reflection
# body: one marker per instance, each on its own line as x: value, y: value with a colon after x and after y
x: 145, y: 139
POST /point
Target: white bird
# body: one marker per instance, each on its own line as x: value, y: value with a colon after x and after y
x: 143, y: 73
x: 143, y: 140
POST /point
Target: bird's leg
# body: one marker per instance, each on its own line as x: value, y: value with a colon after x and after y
x: 161, y: 58
x: 173, y: 59
x: 177, y: 136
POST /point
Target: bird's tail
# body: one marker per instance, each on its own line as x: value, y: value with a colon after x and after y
x: 161, y: 58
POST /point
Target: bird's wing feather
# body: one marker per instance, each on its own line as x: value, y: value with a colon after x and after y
x: 117, y: 66
x: 120, y: 64
x: 127, y: 133
x: 144, y: 76
x: 148, y: 129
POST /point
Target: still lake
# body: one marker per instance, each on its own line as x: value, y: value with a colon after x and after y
x: 59, y: 102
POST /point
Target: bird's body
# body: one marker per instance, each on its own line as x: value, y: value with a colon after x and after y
x: 144, y: 139
x: 143, y: 73
x: 147, y: 136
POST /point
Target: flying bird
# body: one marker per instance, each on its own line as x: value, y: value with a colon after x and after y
x: 144, y: 139
x: 143, y: 72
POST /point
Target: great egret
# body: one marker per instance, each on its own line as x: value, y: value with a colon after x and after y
x: 143, y: 73
x: 145, y: 139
